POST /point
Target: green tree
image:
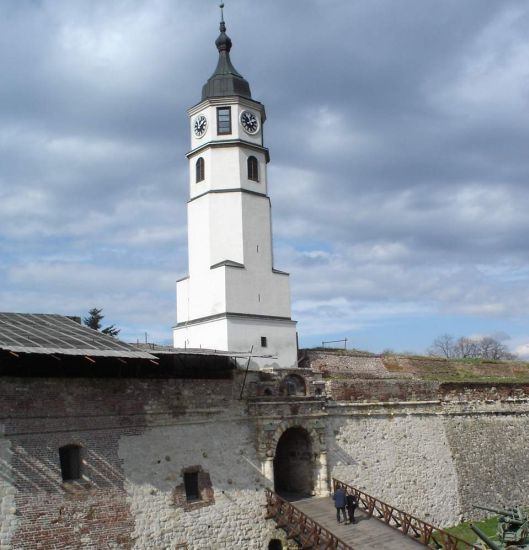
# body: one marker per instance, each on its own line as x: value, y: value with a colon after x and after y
x: 94, y: 322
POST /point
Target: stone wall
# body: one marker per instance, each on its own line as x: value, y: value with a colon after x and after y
x: 8, y: 521
x: 137, y: 438
x: 491, y: 458
x: 400, y: 457
x: 434, y: 460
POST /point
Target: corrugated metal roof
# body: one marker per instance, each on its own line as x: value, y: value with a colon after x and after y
x: 163, y: 350
x: 59, y: 335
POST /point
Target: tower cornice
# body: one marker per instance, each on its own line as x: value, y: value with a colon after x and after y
x: 228, y: 100
x: 229, y: 143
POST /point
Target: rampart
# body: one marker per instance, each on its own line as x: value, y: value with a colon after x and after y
x: 431, y: 444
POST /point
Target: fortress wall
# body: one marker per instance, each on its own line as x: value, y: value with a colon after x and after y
x: 234, y: 517
x: 8, y: 520
x: 491, y: 457
x: 381, y: 390
x: 404, y: 459
x: 137, y: 438
x: 436, y: 460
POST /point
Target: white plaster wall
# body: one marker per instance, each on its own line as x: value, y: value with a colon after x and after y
x: 257, y: 229
x: 239, y: 335
x: 182, y: 300
x: 211, y: 334
x: 405, y: 461
x: 206, y: 295
x: 234, y: 227
x: 257, y: 293
x: 198, y: 188
x: 198, y: 235
x: 281, y: 340
x: 153, y: 464
x: 209, y: 109
x: 257, y: 186
x: 257, y: 289
x: 226, y: 168
x: 8, y: 521
x: 226, y: 239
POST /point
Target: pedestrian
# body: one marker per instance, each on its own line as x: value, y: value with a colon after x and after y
x: 351, y: 503
x: 339, y: 503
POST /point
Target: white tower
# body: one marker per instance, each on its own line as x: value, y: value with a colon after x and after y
x: 233, y: 298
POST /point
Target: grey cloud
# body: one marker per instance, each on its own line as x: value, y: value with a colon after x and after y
x: 397, y: 132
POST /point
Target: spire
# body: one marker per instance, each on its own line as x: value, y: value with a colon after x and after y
x: 225, y: 81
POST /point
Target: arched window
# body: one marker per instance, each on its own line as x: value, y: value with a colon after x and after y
x: 199, y: 169
x: 253, y: 169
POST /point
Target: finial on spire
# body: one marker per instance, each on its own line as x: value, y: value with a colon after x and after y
x: 222, y: 24
x: 225, y: 81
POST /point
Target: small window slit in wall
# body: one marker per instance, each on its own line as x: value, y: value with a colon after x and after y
x: 70, y: 460
x: 259, y: 297
x: 191, y: 486
x: 257, y: 248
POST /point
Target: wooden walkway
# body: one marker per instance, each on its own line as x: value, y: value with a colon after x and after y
x: 366, y: 534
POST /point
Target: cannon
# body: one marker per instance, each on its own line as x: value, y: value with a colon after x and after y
x: 516, y: 515
x: 484, y: 538
x: 512, y: 530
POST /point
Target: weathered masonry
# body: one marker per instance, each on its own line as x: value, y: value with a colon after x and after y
x: 159, y: 449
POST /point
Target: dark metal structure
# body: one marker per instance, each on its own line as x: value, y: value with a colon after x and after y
x: 225, y: 80
x: 512, y: 530
x: 57, y: 335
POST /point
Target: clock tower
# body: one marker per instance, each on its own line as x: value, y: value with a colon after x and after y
x: 233, y: 298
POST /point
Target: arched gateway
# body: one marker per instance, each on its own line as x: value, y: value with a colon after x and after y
x: 294, y: 463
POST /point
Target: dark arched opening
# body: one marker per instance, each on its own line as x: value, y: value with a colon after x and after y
x: 253, y: 169
x: 293, y: 463
x: 275, y: 544
x: 199, y: 170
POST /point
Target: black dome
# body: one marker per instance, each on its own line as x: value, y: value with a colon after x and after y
x: 225, y: 81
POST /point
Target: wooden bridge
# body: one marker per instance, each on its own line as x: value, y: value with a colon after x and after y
x: 312, y: 523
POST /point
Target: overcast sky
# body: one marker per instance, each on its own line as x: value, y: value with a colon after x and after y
x: 399, y: 174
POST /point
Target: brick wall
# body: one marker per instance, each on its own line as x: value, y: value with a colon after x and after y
x: 137, y: 437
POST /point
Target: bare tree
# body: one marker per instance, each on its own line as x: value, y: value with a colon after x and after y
x: 486, y: 347
x: 466, y: 348
x: 443, y: 346
x: 491, y: 348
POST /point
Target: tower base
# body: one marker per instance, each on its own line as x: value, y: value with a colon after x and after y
x: 273, y: 338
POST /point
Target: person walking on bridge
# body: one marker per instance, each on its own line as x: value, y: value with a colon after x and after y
x: 351, y: 502
x: 339, y: 503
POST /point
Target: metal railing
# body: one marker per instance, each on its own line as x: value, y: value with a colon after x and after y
x: 297, y: 525
x: 427, y: 534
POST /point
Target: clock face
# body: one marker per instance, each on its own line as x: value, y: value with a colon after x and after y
x: 200, y: 126
x: 249, y: 122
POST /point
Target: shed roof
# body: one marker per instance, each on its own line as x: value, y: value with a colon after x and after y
x: 41, y: 333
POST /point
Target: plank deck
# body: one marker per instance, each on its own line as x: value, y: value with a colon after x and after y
x: 366, y: 534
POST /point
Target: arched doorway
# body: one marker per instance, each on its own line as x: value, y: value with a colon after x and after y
x: 275, y: 544
x: 294, y: 463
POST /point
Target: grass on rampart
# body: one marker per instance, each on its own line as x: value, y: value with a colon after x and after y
x: 458, y: 370
x: 437, y: 369
x: 463, y: 531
